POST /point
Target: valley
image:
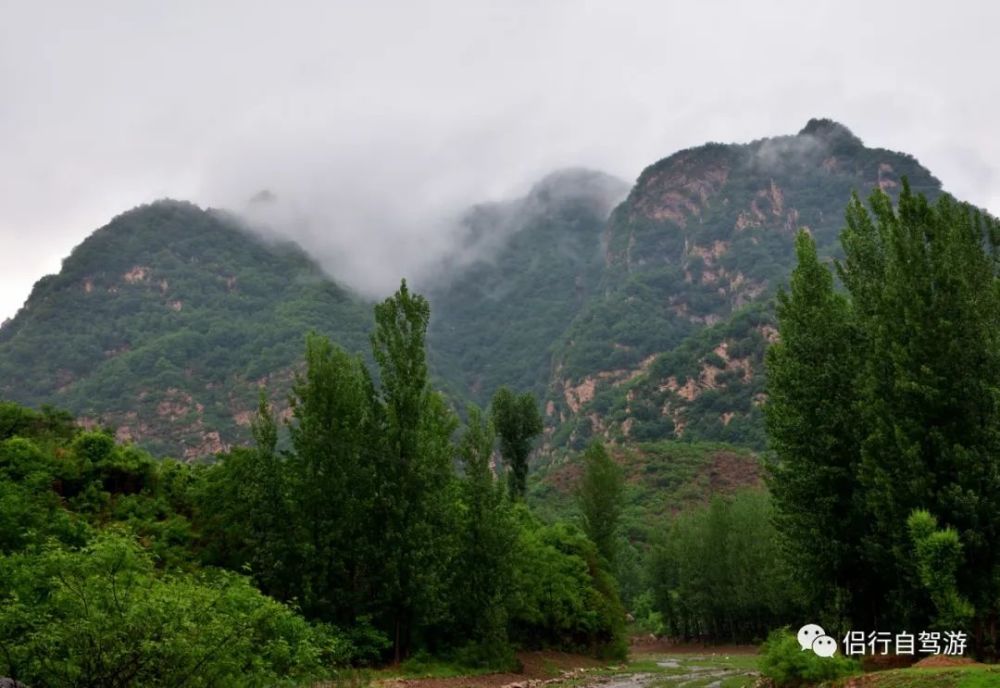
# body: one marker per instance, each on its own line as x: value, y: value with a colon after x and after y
x: 611, y: 413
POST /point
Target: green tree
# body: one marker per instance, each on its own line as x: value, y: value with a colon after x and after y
x: 600, y: 498
x: 102, y: 616
x: 518, y: 423
x: 718, y: 571
x: 332, y: 474
x: 938, y: 554
x: 562, y: 593
x: 814, y: 435
x: 415, y: 486
x: 923, y: 284
x: 890, y: 394
x: 243, y: 511
x: 489, y: 535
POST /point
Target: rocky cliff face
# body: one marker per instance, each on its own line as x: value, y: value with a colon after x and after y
x: 633, y: 320
x: 667, y: 347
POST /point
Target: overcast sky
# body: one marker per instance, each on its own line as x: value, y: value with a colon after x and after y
x: 375, y: 121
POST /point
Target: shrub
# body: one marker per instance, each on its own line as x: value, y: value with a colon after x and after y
x: 103, y: 616
x: 788, y: 665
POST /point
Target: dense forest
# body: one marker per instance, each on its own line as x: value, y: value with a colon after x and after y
x: 381, y: 531
x: 372, y: 520
x: 632, y: 316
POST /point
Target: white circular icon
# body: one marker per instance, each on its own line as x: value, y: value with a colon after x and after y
x: 809, y: 633
x: 824, y: 646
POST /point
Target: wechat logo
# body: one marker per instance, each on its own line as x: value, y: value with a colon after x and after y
x: 813, y: 637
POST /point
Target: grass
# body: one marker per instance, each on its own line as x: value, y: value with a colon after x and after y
x: 938, y: 677
x: 422, y: 666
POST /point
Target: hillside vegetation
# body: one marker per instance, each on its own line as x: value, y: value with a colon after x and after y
x: 359, y: 543
x: 671, y: 344
x: 163, y: 324
x: 638, y: 322
x: 366, y: 523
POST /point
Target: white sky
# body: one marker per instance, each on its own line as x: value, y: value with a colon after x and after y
x: 374, y: 121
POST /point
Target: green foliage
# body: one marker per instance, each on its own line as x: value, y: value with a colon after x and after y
x: 359, y: 519
x: 99, y: 583
x: 415, y: 478
x: 518, y: 423
x: 563, y: 596
x: 103, y: 616
x: 884, y: 401
x: 489, y: 534
x: 938, y: 556
x: 364, y: 522
x: 599, y: 498
x: 718, y: 571
x: 330, y: 482
x: 789, y: 666
x: 813, y: 431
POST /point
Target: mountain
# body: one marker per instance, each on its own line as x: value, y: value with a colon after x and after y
x: 529, y: 267
x: 638, y: 315
x: 164, y: 324
x: 671, y: 345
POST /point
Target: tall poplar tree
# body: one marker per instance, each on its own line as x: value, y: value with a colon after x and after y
x: 924, y: 283
x: 488, y: 536
x: 415, y: 490
x: 814, y: 436
x: 518, y: 423
x: 332, y: 481
x: 885, y: 402
x: 599, y: 499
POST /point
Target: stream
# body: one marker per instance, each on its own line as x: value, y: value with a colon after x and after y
x: 678, y: 673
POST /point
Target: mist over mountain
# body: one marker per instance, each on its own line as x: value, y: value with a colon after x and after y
x: 672, y: 345
x: 633, y: 314
x: 524, y: 271
x: 164, y: 324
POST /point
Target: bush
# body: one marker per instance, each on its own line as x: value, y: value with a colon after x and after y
x: 788, y: 665
x: 563, y: 597
x: 103, y: 616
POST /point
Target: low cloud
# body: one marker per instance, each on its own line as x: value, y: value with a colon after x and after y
x: 788, y: 152
x: 376, y: 125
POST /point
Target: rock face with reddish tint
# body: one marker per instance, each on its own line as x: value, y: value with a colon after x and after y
x: 672, y: 343
x: 164, y: 324
x: 632, y: 314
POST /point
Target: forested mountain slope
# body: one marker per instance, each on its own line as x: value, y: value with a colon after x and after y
x: 671, y: 344
x: 637, y: 322
x: 163, y: 324
x: 538, y: 261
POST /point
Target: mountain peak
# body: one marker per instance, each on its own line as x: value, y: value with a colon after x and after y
x: 574, y: 185
x: 830, y: 131
x: 164, y: 323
